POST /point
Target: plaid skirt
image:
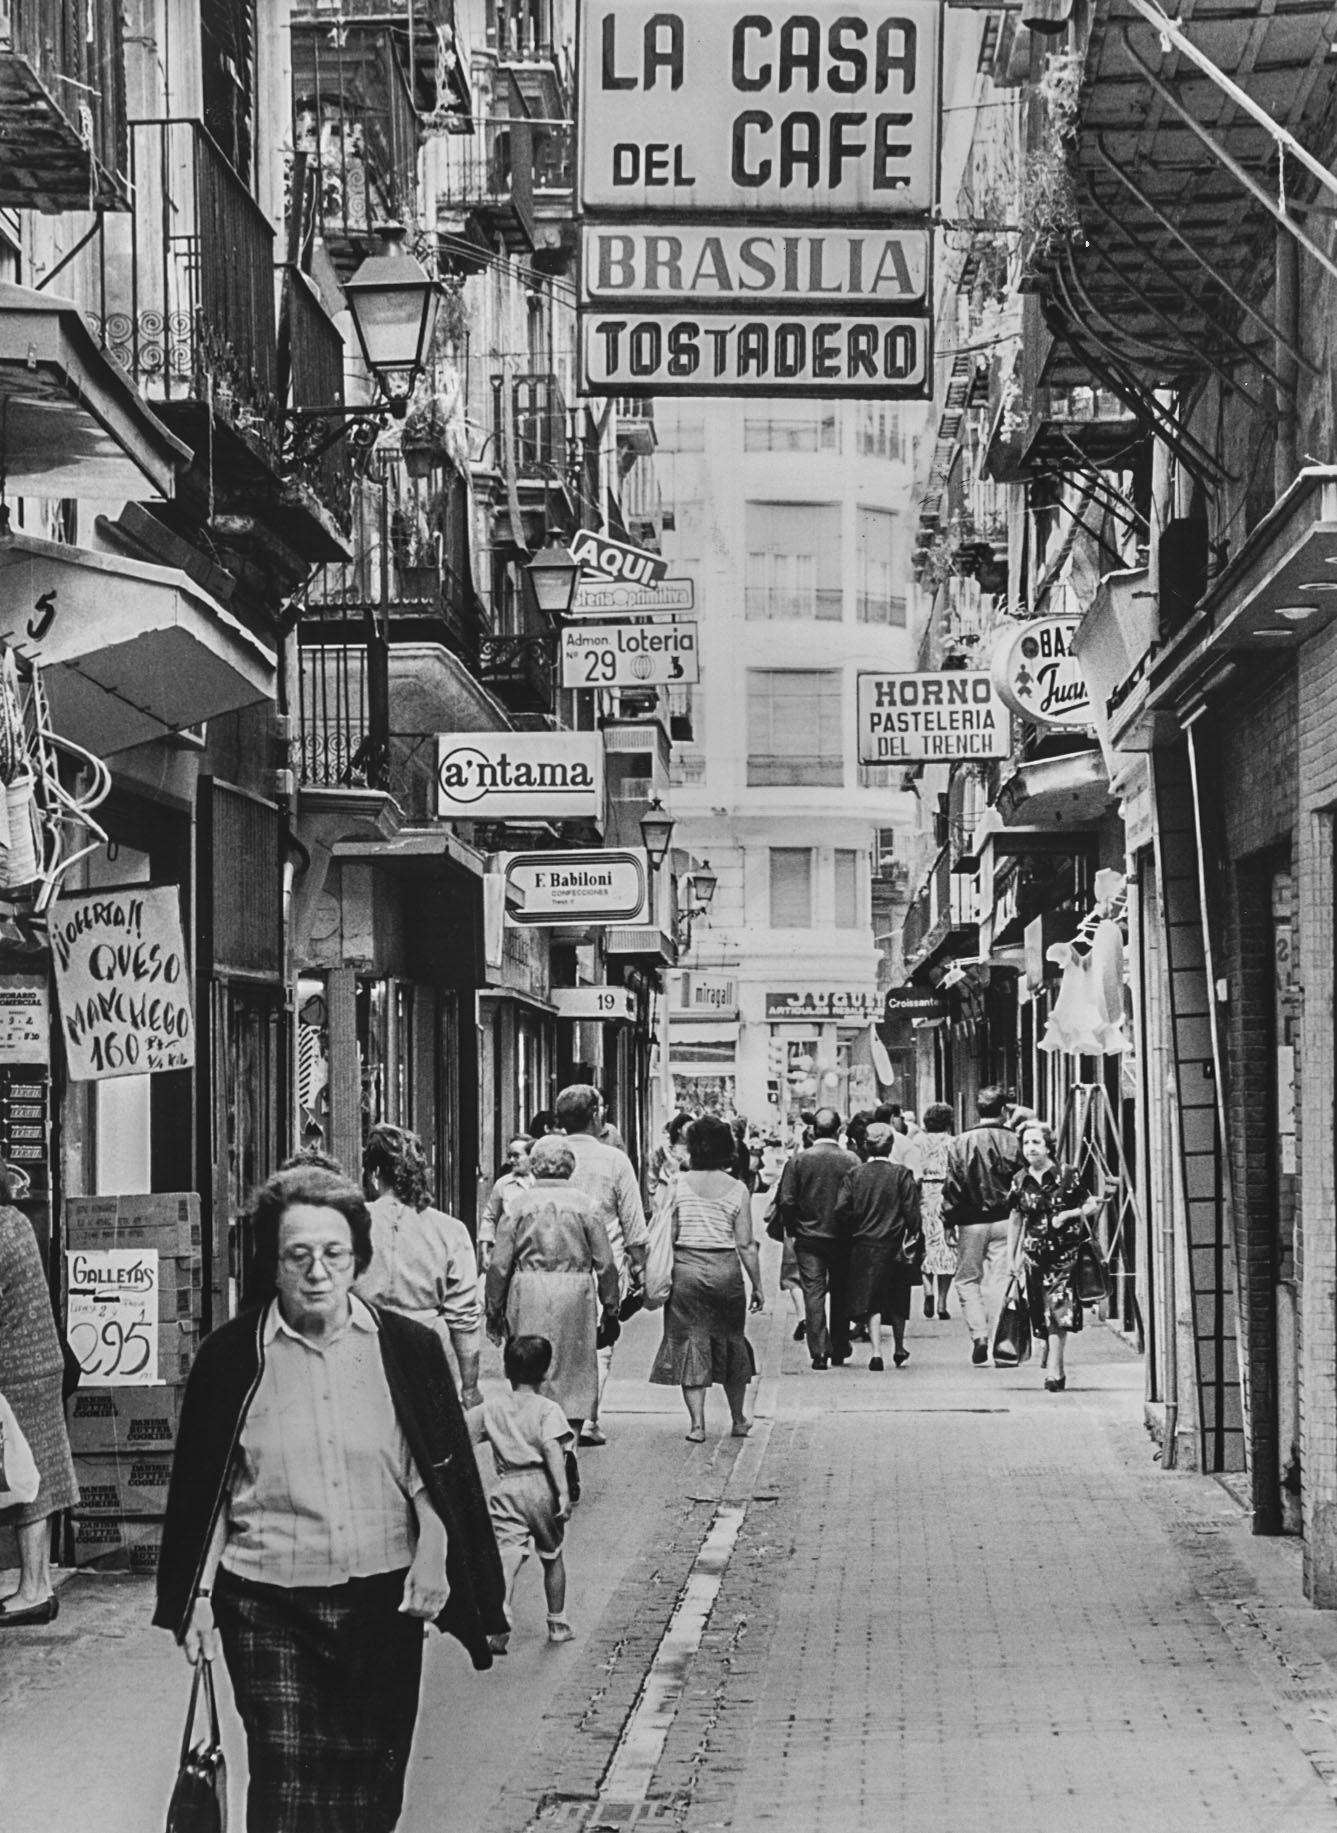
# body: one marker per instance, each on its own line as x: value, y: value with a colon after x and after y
x: 326, y: 1682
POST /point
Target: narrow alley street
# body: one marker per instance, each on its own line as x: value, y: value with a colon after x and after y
x: 937, y: 1597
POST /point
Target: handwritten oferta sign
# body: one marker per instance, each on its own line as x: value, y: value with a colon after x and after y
x: 123, y: 982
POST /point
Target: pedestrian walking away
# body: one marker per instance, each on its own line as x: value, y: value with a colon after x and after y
x: 552, y: 1275
x: 877, y: 1214
x: 516, y: 1176
x: 809, y: 1187
x: 1050, y: 1220
x: 32, y: 1366
x: 926, y: 1155
x: 705, y: 1338
x: 976, y: 1204
x: 423, y: 1262
x: 324, y: 1505
x: 532, y: 1501
x: 605, y: 1174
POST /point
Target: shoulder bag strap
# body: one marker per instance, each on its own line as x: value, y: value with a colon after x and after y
x: 189, y: 1732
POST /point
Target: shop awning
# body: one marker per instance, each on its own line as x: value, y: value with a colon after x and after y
x: 686, y: 1035
x: 129, y: 652
x: 1280, y: 588
x: 1057, y: 791
x: 71, y: 421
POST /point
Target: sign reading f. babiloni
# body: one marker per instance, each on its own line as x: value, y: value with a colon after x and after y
x: 756, y: 187
x: 931, y: 717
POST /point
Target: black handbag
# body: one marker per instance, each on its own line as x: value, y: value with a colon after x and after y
x: 1012, y: 1332
x: 199, y: 1799
x: 1090, y: 1275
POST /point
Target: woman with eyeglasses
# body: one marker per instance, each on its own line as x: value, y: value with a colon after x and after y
x: 325, y: 1506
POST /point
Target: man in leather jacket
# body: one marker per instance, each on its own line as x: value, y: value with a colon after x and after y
x: 976, y: 1202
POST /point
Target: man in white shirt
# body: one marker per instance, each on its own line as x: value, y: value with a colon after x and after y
x: 606, y: 1177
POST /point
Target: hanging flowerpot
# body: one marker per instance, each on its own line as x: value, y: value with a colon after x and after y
x: 421, y: 460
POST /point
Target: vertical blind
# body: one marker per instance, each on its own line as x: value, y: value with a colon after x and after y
x: 795, y: 735
x: 793, y: 560
x: 791, y: 887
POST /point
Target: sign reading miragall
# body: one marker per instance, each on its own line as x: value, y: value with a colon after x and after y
x: 756, y: 189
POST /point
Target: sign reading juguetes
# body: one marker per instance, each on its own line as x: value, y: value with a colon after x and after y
x: 712, y: 107
x: 931, y: 717
x: 123, y: 982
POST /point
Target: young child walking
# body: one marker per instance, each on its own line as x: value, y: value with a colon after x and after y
x: 531, y: 1503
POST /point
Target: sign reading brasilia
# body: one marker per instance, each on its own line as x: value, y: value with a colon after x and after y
x: 756, y: 189
x: 519, y: 776
x: 931, y: 718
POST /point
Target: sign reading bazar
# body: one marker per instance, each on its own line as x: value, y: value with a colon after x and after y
x: 629, y: 655
x: 519, y: 776
x: 930, y: 718
x: 815, y: 352
x: 1038, y: 675
x: 710, y: 106
x: 598, y: 885
x: 123, y: 982
x: 738, y: 265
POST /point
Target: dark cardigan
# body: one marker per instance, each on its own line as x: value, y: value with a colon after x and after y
x: 218, y: 1395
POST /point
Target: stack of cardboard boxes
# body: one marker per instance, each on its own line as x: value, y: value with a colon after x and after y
x: 123, y: 1436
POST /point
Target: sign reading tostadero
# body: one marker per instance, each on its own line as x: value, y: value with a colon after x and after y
x: 931, y: 718
x: 519, y: 776
x: 709, y: 106
x: 713, y: 353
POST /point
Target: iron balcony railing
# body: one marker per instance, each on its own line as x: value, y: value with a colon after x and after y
x: 489, y: 174
x: 355, y: 120
x: 62, y: 95
x: 316, y: 380
x: 188, y: 281
x: 343, y: 711
x: 521, y: 671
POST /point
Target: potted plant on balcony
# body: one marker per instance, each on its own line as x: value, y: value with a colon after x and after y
x: 423, y: 441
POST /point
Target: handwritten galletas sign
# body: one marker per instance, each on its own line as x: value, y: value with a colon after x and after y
x: 1036, y: 672
x: 112, y: 1314
x: 123, y: 982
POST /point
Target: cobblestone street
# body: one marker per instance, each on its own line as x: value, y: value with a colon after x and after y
x: 948, y: 1596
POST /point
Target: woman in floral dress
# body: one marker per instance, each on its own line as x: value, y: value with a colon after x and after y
x: 926, y: 1155
x: 1050, y: 1220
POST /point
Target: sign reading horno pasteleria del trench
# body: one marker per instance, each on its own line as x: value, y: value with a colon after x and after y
x: 931, y: 717
x: 122, y: 982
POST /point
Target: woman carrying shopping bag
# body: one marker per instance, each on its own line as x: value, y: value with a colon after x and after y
x: 1049, y: 1223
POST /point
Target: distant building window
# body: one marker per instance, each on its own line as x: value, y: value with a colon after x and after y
x: 680, y: 426
x: 795, y: 735
x: 791, y: 887
x: 848, y: 913
x: 878, y: 434
x: 801, y: 426
x: 793, y: 560
x: 881, y: 593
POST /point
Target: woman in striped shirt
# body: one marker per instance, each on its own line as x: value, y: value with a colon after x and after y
x: 710, y: 1214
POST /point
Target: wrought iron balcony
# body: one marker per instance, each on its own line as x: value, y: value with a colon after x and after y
x: 488, y: 177
x: 343, y: 711
x: 62, y: 101
x: 315, y: 352
x: 188, y: 282
x: 354, y: 117
x: 520, y: 671
x: 520, y: 36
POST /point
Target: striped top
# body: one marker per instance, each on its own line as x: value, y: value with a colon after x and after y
x: 710, y: 1221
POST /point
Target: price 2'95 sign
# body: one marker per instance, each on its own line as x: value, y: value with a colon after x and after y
x: 112, y: 1315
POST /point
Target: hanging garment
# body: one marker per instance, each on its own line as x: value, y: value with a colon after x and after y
x: 1087, y: 1019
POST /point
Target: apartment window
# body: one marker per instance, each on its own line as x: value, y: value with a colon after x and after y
x: 791, y: 887
x: 848, y: 913
x: 680, y: 426
x: 795, y: 735
x: 881, y: 599
x: 878, y: 434
x: 798, y: 426
x: 793, y: 560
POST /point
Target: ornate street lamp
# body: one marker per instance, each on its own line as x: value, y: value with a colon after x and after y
x: 656, y: 831
x: 392, y: 301
x: 703, y: 882
x: 553, y: 577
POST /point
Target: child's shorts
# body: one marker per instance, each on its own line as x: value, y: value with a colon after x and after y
x: 524, y: 1510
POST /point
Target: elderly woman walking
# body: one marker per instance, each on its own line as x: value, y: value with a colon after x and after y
x: 552, y: 1274
x: 705, y: 1337
x: 325, y: 1505
x: 31, y: 1368
x: 1050, y: 1220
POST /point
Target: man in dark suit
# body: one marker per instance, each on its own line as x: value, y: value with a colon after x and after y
x: 806, y: 1204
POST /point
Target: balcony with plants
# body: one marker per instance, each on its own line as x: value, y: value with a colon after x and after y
x: 62, y: 99
x: 486, y: 188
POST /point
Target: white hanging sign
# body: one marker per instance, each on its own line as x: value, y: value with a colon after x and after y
x: 1038, y: 674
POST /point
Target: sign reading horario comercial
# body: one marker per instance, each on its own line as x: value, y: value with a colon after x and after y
x: 597, y: 885
x: 629, y: 655
x: 519, y: 776
x: 930, y: 718
x: 711, y: 106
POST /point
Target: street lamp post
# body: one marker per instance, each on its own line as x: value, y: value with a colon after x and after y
x: 553, y: 577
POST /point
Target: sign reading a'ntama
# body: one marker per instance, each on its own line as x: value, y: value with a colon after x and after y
x: 519, y: 776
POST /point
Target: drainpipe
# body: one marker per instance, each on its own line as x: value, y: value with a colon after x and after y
x: 1286, y: 459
